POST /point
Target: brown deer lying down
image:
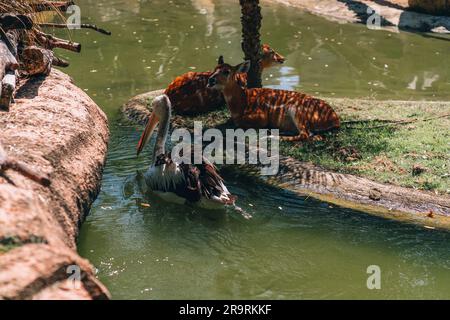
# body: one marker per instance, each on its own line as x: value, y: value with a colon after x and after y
x: 189, y: 94
x: 291, y: 112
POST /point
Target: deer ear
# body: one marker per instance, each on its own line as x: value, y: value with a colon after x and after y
x: 220, y: 61
x: 244, y: 67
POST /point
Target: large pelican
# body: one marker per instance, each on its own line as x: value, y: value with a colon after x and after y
x: 178, y: 182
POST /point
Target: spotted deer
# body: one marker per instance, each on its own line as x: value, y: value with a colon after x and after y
x: 189, y: 94
x: 298, y: 116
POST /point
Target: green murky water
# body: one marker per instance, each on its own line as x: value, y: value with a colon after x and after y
x: 293, y: 247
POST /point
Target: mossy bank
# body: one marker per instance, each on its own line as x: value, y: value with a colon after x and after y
x: 388, y: 156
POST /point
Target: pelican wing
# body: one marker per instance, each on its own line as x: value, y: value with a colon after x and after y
x: 191, y: 190
x: 212, y: 184
x: 191, y: 182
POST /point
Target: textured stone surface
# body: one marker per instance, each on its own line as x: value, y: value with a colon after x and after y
x: 55, y: 128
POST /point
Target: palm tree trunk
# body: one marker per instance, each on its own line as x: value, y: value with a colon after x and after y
x: 251, y: 43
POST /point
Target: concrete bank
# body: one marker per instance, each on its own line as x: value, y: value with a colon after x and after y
x: 393, y: 14
x: 56, y: 129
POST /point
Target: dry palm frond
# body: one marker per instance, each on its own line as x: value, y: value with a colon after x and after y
x: 29, y: 8
x: 11, y: 6
x: 25, y: 49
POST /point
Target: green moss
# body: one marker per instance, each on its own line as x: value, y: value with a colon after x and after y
x: 6, y: 248
x: 12, y: 242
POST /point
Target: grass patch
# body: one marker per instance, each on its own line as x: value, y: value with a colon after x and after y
x: 413, y: 155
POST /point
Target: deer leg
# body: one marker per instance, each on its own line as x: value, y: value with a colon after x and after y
x: 316, y: 138
x: 299, y: 137
x: 303, y: 133
x: 251, y: 120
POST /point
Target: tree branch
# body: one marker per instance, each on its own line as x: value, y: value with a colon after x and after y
x: 60, y: 62
x: 8, y: 88
x: 36, y: 61
x: 50, y: 42
x: 8, y: 65
x: 83, y: 26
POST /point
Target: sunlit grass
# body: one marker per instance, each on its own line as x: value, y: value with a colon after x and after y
x: 386, y: 154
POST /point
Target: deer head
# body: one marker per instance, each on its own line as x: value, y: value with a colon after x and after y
x: 225, y: 74
x: 270, y: 57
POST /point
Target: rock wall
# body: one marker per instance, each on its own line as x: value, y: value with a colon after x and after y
x: 55, y: 128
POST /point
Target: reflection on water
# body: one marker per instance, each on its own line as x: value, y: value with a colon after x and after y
x: 293, y: 247
x: 289, y: 78
x: 206, y: 8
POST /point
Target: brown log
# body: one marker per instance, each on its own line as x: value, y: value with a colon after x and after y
x: 11, y: 40
x: 36, y: 61
x: 7, y: 163
x: 59, y: 62
x: 50, y: 42
x: 7, y: 59
x: 12, y: 21
x: 52, y: 5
